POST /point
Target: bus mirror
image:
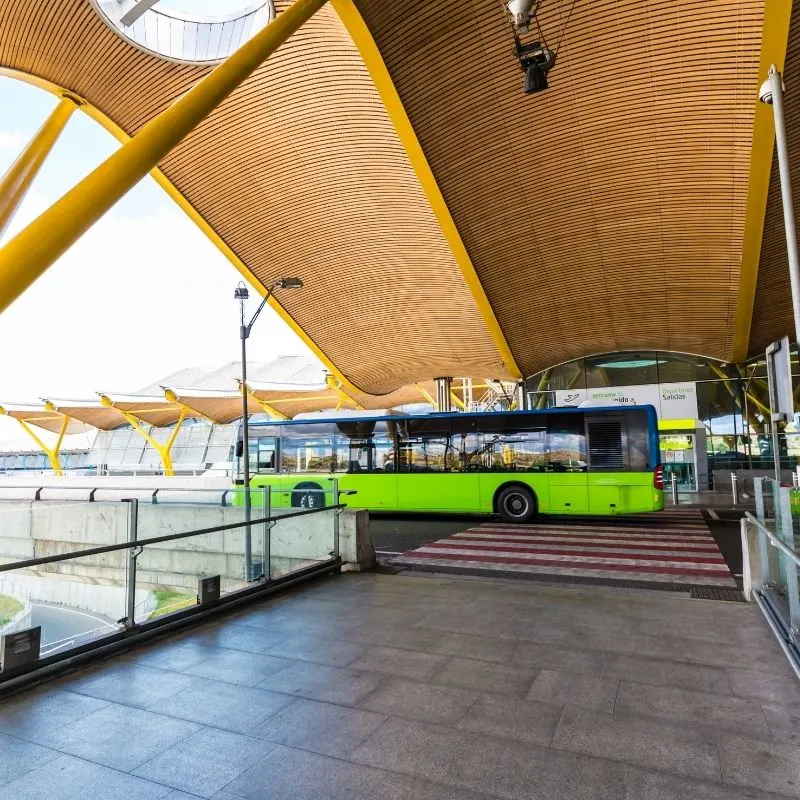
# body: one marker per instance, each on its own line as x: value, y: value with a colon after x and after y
x: 239, y: 448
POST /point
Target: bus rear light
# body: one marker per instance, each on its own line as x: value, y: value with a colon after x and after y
x: 658, y: 477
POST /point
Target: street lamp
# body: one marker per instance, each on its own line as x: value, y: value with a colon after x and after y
x: 241, y: 294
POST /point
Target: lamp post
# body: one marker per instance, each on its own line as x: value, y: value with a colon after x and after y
x: 241, y: 294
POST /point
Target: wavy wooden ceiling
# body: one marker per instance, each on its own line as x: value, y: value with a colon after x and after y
x: 606, y: 213
x: 772, y: 310
x: 301, y: 173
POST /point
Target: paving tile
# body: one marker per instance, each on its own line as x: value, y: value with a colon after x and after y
x: 319, y: 682
x: 27, y: 714
x: 699, y: 708
x: 481, y: 676
x: 235, y: 666
x: 770, y: 766
x: 131, y: 684
x: 647, y: 743
x: 775, y: 689
x: 512, y: 717
x: 480, y: 648
x: 730, y: 656
x: 177, y: 795
x: 321, y: 727
x: 541, y: 656
x: 667, y: 673
x: 18, y: 757
x: 404, y: 638
x: 175, y: 656
x: 118, y: 736
x: 398, y: 697
x: 223, y: 705
x: 289, y: 774
x: 204, y: 763
x: 502, y: 767
x: 783, y: 722
x: 333, y: 652
x: 569, y: 688
x: 400, y: 663
x: 240, y: 637
x: 69, y: 778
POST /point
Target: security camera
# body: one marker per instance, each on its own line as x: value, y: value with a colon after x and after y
x: 765, y: 92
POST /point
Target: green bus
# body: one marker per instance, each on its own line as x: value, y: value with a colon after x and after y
x: 516, y: 464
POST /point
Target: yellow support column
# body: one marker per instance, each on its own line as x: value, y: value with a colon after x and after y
x: 344, y: 397
x: 15, y: 183
x: 50, y: 452
x: 164, y: 450
x: 427, y: 396
x: 28, y: 255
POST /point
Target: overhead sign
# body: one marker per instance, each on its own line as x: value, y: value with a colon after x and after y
x: 779, y: 377
x: 671, y: 400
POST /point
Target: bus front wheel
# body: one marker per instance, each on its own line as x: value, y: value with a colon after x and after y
x: 516, y: 504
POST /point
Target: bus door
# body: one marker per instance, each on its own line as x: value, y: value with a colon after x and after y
x: 567, y: 463
x: 431, y: 474
x: 365, y: 463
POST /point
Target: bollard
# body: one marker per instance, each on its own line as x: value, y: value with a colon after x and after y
x: 735, y: 488
x: 795, y: 481
x: 673, y: 479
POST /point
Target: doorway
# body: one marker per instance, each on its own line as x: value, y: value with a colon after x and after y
x: 679, y: 456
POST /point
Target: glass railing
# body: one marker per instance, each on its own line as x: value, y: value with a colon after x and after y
x: 772, y: 574
x: 107, y: 571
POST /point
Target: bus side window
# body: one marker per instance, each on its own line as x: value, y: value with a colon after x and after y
x: 266, y: 460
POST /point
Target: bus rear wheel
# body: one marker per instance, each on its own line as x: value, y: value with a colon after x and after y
x: 516, y: 504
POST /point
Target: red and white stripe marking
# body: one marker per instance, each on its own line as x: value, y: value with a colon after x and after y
x: 671, y: 547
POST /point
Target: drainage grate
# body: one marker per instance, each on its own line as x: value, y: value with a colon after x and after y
x: 716, y: 593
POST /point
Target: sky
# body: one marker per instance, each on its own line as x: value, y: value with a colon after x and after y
x: 142, y: 294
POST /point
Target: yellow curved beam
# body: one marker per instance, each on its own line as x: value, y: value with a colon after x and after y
x: 52, y: 453
x: 119, y: 134
x: 774, y: 39
x: 15, y: 184
x: 362, y: 38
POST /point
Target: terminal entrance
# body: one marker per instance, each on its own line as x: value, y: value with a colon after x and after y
x: 679, y: 456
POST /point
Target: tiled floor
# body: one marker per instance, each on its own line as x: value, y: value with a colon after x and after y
x: 404, y: 687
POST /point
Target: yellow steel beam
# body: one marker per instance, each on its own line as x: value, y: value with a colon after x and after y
x: 427, y: 396
x: 158, y: 176
x: 164, y: 450
x: 344, y: 397
x: 29, y: 254
x: 269, y: 409
x: 52, y: 453
x: 362, y: 38
x: 774, y: 39
x: 15, y: 183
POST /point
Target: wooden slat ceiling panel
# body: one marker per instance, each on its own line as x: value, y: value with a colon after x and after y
x: 772, y: 309
x: 606, y: 213
x: 299, y: 172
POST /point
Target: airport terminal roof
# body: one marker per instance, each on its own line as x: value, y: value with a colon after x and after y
x: 445, y: 223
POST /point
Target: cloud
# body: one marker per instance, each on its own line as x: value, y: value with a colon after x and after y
x: 11, y: 141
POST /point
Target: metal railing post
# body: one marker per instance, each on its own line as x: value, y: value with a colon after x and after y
x: 336, y: 513
x: 673, y: 480
x: 735, y: 488
x: 133, y: 554
x: 758, y: 491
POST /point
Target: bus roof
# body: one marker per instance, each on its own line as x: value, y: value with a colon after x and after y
x: 651, y: 411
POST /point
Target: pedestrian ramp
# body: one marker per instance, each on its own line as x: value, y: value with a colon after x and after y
x: 669, y: 549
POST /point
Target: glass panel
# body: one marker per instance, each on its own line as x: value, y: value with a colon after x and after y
x: 366, y: 446
x: 74, y: 601
x: 300, y: 542
x: 622, y: 369
x: 307, y: 448
x: 423, y: 445
x: 566, y: 442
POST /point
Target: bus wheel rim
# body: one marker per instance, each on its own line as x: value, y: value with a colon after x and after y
x: 516, y: 505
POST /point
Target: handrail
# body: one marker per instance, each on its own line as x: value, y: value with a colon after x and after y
x: 94, y: 551
x: 774, y: 540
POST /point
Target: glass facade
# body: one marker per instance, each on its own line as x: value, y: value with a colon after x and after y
x: 732, y: 401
